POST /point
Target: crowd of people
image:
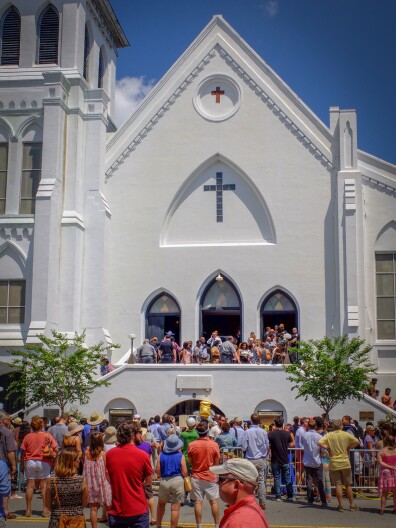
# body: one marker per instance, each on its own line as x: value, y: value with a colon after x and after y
x: 278, y: 346
x: 386, y: 398
x: 111, y: 469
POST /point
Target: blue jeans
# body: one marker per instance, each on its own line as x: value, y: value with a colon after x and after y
x: 137, y: 521
x: 283, y: 470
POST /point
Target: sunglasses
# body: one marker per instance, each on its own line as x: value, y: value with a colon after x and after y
x: 224, y: 478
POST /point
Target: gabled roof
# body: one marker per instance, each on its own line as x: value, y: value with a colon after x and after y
x: 218, y: 37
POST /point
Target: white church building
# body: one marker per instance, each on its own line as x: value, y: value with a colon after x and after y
x: 222, y: 170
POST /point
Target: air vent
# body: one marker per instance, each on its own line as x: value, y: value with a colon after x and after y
x: 86, y: 53
x: 101, y: 69
x: 49, y: 37
x: 11, y: 36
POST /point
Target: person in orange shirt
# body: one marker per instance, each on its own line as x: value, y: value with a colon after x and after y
x: 203, y: 453
x: 386, y: 399
x: 237, y: 483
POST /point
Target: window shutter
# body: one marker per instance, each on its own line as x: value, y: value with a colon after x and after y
x: 86, y: 53
x: 11, y: 37
x: 49, y: 37
x: 101, y: 69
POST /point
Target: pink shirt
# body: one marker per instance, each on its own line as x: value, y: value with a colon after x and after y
x: 245, y: 512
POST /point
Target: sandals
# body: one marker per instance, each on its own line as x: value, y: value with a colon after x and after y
x: 11, y: 515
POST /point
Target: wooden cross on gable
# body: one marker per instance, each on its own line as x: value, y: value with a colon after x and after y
x: 219, y: 188
x: 218, y: 93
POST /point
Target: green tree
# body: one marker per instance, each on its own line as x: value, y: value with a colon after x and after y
x: 58, y: 371
x: 331, y: 370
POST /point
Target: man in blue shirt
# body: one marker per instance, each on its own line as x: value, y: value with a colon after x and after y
x: 256, y: 452
x: 5, y: 488
x: 313, y: 463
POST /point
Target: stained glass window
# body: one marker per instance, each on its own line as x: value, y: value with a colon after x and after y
x: 221, y: 296
x: 279, y: 303
x: 164, y: 305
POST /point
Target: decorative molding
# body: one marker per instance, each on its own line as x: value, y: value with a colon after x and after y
x: 350, y: 194
x: 17, y: 233
x: 353, y: 316
x: 160, y: 113
x: 376, y: 184
x: 46, y: 187
x: 292, y: 127
x: 36, y: 327
x: 72, y: 219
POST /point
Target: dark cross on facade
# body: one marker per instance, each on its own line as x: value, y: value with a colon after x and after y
x: 219, y: 188
x: 218, y: 93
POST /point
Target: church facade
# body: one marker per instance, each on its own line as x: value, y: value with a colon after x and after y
x: 222, y: 203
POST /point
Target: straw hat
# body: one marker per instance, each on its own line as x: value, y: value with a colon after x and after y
x: 110, y: 436
x: 73, y: 428
x: 95, y: 418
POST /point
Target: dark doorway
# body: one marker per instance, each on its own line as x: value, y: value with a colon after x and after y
x: 220, y: 308
x: 288, y: 319
x: 162, y: 316
x: 226, y: 323
x: 189, y: 407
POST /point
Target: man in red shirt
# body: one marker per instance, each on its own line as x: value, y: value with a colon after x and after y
x: 237, y: 483
x: 129, y: 470
x: 203, y: 453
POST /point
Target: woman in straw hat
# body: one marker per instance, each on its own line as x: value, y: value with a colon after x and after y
x: 170, y: 469
x: 72, y: 439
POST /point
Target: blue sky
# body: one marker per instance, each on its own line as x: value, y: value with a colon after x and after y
x: 330, y: 52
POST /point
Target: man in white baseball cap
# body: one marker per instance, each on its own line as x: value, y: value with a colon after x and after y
x: 237, y: 484
x: 188, y: 436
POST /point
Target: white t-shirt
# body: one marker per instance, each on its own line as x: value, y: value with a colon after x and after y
x: 214, y: 432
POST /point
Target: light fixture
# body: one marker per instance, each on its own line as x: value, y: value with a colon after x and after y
x: 219, y: 278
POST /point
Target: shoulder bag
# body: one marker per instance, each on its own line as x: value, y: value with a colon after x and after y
x: 66, y: 521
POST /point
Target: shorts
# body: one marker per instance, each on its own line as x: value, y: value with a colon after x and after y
x: 36, y: 469
x: 202, y: 489
x: 148, y: 490
x: 341, y: 476
x: 172, y: 489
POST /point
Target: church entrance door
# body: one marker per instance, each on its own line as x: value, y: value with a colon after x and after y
x: 162, y: 316
x: 190, y: 407
x: 220, y: 308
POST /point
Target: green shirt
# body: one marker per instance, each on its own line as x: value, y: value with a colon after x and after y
x: 188, y: 436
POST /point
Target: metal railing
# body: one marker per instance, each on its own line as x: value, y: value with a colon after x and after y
x: 364, y: 466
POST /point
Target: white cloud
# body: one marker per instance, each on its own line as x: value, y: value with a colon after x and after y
x: 271, y: 7
x: 129, y: 93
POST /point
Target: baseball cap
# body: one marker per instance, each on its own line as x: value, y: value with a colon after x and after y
x: 239, y: 467
x: 191, y: 421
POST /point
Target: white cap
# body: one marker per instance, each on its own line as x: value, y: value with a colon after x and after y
x: 191, y: 421
x: 239, y: 467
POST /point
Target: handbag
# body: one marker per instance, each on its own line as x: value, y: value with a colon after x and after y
x: 48, y: 451
x: 187, y: 484
x: 66, y: 521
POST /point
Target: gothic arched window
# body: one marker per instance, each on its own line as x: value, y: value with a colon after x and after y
x: 48, y: 35
x: 10, y: 36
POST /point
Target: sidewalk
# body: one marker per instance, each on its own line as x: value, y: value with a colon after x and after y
x: 279, y: 514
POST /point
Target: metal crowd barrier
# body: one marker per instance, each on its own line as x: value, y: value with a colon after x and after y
x: 230, y: 452
x: 364, y: 465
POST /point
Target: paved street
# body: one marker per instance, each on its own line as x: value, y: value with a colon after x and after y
x: 296, y: 514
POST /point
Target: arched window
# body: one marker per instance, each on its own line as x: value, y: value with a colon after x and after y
x: 101, y: 68
x: 220, y: 308
x: 87, y: 49
x: 48, y: 33
x: 10, y: 36
x: 279, y: 308
x: 163, y: 315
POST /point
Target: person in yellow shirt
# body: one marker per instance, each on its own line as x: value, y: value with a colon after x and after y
x: 338, y: 443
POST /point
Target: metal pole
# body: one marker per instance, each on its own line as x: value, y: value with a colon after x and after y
x: 131, y: 359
